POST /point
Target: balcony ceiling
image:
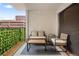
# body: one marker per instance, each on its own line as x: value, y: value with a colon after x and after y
x: 37, y: 6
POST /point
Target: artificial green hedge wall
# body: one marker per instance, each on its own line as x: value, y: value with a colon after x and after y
x: 9, y: 37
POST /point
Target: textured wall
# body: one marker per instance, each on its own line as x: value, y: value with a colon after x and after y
x: 69, y: 23
x: 43, y: 20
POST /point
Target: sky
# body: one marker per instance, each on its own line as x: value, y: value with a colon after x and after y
x: 8, y: 12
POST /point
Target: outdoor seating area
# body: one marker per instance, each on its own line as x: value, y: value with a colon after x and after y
x: 39, y: 29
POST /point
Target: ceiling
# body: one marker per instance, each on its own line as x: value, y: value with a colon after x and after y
x: 42, y: 6
x: 36, y: 6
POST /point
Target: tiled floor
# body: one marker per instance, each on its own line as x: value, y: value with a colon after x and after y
x: 39, y: 50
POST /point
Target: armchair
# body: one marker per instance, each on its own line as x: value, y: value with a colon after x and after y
x: 62, y: 41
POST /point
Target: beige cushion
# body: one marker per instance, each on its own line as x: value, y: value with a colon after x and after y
x: 37, y: 37
x: 58, y: 41
x: 40, y: 33
x: 36, y: 41
x: 34, y: 33
x: 63, y: 36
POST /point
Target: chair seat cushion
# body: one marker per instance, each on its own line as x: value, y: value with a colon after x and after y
x: 58, y: 41
x: 37, y: 37
x: 36, y: 41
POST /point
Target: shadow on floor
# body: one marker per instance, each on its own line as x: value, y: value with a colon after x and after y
x: 39, y: 50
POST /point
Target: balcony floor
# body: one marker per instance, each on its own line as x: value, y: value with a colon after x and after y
x: 39, y: 50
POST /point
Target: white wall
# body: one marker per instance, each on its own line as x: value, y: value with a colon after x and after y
x: 43, y: 20
x: 46, y: 20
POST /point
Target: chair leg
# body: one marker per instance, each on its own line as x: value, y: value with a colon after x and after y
x: 45, y: 47
x: 66, y: 48
x: 27, y: 46
x: 55, y: 48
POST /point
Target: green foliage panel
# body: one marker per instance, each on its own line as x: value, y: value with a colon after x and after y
x: 9, y: 37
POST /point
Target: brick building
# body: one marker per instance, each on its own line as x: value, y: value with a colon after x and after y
x: 19, y: 22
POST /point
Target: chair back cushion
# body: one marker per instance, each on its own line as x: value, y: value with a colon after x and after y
x: 41, y: 33
x: 63, y: 36
x: 34, y: 33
